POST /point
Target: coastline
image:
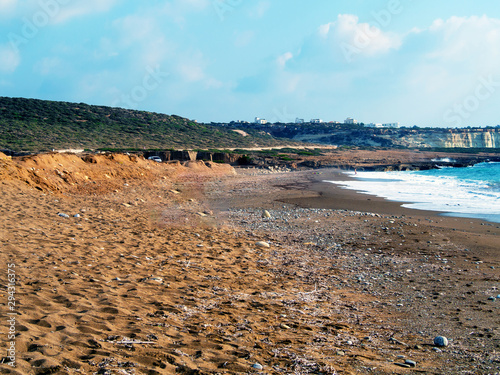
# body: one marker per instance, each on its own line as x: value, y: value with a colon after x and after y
x: 326, y: 195
x: 162, y: 269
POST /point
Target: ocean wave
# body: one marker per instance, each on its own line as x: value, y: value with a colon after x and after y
x: 473, y: 192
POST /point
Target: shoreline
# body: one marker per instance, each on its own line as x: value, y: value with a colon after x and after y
x: 326, y: 195
x: 448, y: 264
x: 141, y: 267
x: 401, y: 204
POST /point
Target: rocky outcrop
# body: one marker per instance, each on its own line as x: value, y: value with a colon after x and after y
x: 438, y: 138
x: 217, y: 157
x: 414, y: 137
x: 473, y: 139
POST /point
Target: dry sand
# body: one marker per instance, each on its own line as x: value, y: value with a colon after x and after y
x: 161, y: 273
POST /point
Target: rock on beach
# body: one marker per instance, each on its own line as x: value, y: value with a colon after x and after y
x: 440, y: 341
x: 262, y: 244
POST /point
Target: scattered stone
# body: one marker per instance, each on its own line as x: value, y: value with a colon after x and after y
x: 66, y: 216
x: 266, y: 214
x: 440, y: 341
x: 411, y: 363
x: 492, y: 299
x: 257, y: 366
x: 402, y: 365
x: 284, y: 326
x: 202, y: 214
x: 157, y: 279
x: 126, y: 205
x: 397, y: 342
x: 77, y: 216
x: 340, y: 352
x: 262, y: 244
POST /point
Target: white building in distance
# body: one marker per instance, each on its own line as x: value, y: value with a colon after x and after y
x: 299, y: 120
x: 350, y: 121
x: 388, y: 125
x: 260, y: 121
x: 316, y: 121
x: 391, y: 125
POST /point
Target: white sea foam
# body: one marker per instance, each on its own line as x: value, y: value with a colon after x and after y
x: 444, y: 160
x: 434, y: 192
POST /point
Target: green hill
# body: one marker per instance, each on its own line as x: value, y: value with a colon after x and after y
x: 40, y: 125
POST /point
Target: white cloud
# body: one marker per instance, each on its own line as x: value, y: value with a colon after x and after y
x: 244, y: 38
x: 48, y: 65
x: 191, y: 71
x: 284, y: 58
x: 358, y: 39
x: 67, y: 12
x: 467, y: 42
x: 9, y: 59
x: 140, y: 37
x: 178, y: 9
x: 464, y: 51
x: 259, y: 10
x: 7, y: 6
x: 135, y: 29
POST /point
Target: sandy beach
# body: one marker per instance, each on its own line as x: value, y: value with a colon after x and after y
x: 127, y: 266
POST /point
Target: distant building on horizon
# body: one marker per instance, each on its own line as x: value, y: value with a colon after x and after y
x: 350, y: 121
x: 388, y: 125
x: 391, y: 125
x: 316, y: 121
x: 260, y: 121
x: 299, y: 120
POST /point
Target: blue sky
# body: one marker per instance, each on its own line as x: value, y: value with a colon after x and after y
x: 417, y: 62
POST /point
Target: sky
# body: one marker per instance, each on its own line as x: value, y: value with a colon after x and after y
x: 416, y: 62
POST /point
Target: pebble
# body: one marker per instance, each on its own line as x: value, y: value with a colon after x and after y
x: 402, y: 365
x: 266, y: 214
x: 77, y: 216
x: 492, y: 299
x: 257, y: 366
x: 440, y: 341
x: 66, y: 216
x: 411, y: 363
x: 262, y: 244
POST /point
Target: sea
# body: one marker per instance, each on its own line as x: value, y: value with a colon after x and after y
x: 472, y: 192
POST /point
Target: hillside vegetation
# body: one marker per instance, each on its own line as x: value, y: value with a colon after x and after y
x: 40, y: 125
